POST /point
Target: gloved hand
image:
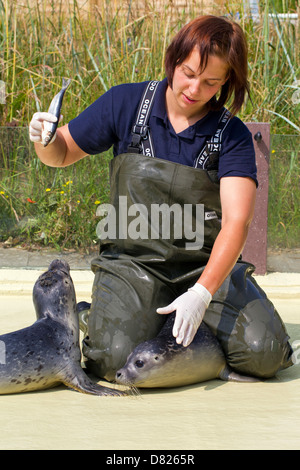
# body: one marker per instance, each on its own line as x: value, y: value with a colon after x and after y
x: 36, y: 126
x: 190, y: 309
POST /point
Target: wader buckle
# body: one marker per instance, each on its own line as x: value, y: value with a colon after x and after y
x: 138, y: 133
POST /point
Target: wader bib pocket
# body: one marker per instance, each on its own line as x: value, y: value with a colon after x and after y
x: 139, y: 270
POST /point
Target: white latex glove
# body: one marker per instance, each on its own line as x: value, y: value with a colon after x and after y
x: 36, y: 126
x: 190, y: 309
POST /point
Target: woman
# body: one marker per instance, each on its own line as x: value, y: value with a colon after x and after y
x: 206, y: 67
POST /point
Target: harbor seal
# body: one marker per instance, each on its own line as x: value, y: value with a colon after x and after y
x: 47, y: 353
x: 161, y: 362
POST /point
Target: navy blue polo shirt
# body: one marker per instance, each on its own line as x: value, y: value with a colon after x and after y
x: 108, y: 122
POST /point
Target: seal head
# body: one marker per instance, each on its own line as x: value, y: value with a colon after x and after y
x: 54, y: 295
x: 161, y: 362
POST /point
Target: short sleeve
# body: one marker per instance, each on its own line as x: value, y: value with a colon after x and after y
x: 237, y: 156
x: 108, y: 121
x: 94, y: 130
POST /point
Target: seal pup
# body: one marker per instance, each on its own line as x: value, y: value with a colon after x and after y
x: 161, y: 362
x: 47, y: 353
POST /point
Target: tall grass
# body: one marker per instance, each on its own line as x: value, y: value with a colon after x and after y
x: 274, y: 65
x: 113, y: 42
x: 48, y: 206
x: 40, y: 45
x: 116, y: 43
x: 284, y: 192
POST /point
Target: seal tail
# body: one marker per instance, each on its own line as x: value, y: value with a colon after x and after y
x: 229, y: 375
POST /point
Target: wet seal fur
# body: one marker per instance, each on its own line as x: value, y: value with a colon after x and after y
x: 47, y: 353
x: 161, y: 362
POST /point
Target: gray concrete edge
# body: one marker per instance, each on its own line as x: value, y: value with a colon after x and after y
x: 20, y: 268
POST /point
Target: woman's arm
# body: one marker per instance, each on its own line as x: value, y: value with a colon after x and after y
x: 237, y: 202
x: 62, y: 149
x: 62, y: 152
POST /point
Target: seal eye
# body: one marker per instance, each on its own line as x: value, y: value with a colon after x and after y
x: 139, y: 363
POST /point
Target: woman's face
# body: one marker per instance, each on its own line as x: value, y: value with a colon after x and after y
x: 192, y: 90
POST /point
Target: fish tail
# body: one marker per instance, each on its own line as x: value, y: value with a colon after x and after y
x: 66, y: 83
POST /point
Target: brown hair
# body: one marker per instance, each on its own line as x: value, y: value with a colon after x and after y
x: 217, y: 36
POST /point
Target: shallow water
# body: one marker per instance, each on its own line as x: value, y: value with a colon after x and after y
x: 211, y: 415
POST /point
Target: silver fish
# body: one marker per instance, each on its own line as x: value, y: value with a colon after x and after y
x: 54, y: 108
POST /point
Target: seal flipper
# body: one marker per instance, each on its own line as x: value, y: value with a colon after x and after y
x: 83, y: 310
x: 83, y: 306
x: 80, y: 381
x: 229, y: 375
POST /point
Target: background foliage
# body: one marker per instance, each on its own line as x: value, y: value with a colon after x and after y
x: 101, y: 46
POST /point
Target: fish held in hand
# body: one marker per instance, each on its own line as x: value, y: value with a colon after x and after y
x: 54, y: 108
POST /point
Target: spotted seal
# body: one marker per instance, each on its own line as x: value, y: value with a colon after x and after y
x: 161, y: 362
x: 47, y: 353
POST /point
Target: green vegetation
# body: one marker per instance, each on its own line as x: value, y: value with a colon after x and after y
x: 117, y: 42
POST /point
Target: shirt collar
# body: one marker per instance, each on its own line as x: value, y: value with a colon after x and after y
x: 203, y: 127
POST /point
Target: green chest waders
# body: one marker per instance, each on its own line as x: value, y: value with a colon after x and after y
x: 164, y: 222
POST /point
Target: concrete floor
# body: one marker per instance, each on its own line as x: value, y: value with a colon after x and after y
x: 211, y: 415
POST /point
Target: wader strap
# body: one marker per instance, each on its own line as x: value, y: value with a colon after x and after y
x: 141, y: 141
x: 141, y: 137
x: 208, y: 158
